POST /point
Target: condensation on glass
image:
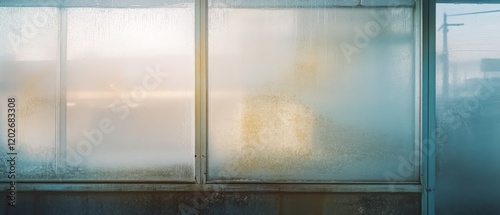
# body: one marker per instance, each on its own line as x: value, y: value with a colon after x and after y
x: 130, y: 93
x: 313, y: 92
x: 101, y: 93
x: 468, y: 109
x: 28, y: 73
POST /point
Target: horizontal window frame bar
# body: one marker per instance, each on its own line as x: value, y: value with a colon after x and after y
x: 249, y: 181
x: 295, y: 188
x: 93, y: 3
x: 219, y: 182
x: 183, y: 4
x: 189, y: 5
x: 262, y: 4
x: 308, y: 7
x: 101, y: 6
x: 468, y: 1
x: 314, y: 4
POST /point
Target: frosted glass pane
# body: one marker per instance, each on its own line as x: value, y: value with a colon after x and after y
x: 312, y: 94
x: 28, y: 73
x: 468, y: 110
x: 130, y: 93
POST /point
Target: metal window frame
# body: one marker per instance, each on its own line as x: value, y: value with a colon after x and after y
x: 201, y: 67
x: 426, y: 8
x: 202, y: 11
x: 428, y: 30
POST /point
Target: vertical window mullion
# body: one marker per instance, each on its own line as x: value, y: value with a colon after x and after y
x: 428, y: 105
x: 61, y: 90
x: 201, y: 71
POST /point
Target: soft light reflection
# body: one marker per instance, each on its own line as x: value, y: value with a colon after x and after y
x: 139, y: 35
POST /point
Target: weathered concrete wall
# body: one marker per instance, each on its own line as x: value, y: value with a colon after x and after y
x: 41, y: 203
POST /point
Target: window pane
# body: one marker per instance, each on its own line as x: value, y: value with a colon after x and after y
x: 29, y: 60
x: 468, y: 109
x: 314, y: 94
x: 130, y: 93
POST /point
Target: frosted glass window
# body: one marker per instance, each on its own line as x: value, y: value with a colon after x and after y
x: 312, y: 94
x: 130, y: 93
x: 468, y: 109
x: 29, y: 60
